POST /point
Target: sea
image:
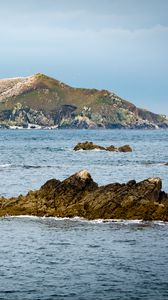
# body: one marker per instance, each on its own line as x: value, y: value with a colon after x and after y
x: 60, y: 258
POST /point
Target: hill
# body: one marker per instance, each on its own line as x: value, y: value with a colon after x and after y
x: 43, y: 101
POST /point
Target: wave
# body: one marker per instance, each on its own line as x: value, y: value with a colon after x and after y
x: 96, y: 221
x: 115, y: 163
x: 53, y: 149
x: 31, y: 167
x: 5, y: 166
x: 38, y: 166
x: 22, y: 217
x: 92, y: 150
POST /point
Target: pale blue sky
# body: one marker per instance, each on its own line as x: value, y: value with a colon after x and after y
x: 120, y: 45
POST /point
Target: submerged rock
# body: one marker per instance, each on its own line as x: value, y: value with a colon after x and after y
x: 91, y: 146
x: 79, y: 195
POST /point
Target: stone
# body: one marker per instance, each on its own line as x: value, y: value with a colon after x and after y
x: 125, y: 148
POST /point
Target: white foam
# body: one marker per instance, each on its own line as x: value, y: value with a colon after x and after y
x: 96, y: 221
x: 161, y: 223
x: 23, y: 217
x: 5, y: 165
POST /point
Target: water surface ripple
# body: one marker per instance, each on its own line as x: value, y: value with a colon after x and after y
x: 30, y: 157
x: 52, y: 258
x: 49, y: 258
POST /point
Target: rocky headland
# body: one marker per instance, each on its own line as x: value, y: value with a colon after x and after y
x: 39, y: 101
x: 80, y: 196
x: 91, y: 146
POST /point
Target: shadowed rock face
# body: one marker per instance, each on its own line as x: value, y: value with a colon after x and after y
x: 79, y: 195
x: 91, y: 146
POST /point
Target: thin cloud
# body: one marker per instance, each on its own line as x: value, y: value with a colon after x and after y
x: 120, y: 45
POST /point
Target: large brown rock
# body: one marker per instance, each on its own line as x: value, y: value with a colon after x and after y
x: 79, y: 195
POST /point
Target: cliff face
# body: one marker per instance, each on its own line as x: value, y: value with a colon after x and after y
x: 79, y: 195
x: 44, y: 101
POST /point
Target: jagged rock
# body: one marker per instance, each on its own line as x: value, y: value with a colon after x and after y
x: 91, y: 146
x: 79, y: 195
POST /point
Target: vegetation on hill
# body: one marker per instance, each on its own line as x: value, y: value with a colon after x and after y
x: 45, y: 101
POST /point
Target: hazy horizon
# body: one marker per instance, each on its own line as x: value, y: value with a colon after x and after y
x: 118, y: 45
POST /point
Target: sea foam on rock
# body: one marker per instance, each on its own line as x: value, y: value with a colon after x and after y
x: 79, y: 195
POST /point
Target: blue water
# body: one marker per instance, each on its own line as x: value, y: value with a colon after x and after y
x: 30, y: 157
x: 50, y: 258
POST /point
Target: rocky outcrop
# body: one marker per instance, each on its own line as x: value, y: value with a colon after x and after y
x: 47, y: 102
x: 88, y: 146
x: 91, y: 146
x: 79, y: 195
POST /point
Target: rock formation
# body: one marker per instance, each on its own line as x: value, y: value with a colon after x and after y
x: 88, y: 146
x: 46, y: 102
x: 91, y: 146
x: 79, y: 195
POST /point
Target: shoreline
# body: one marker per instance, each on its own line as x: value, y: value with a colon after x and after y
x: 87, y: 129
x: 91, y: 221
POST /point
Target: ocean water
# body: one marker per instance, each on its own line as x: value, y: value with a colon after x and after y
x: 52, y: 258
x: 30, y: 157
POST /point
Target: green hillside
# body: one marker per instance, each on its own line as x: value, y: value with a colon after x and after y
x: 45, y: 101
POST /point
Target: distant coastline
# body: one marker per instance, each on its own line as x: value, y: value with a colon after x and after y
x: 38, y: 127
x: 42, y: 102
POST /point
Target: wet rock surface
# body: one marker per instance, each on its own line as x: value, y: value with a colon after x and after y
x: 91, y: 146
x: 79, y: 195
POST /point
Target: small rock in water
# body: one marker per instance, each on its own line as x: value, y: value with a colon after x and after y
x: 125, y: 148
x: 88, y: 146
x: 91, y: 146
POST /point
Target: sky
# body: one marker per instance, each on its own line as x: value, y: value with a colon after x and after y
x: 119, y: 45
